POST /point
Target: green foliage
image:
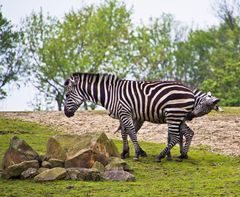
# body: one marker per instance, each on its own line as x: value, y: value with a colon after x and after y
x: 203, y: 174
x: 92, y: 39
x: 152, y: 49
x: 103, y: 39
x: 225, y: 66
x: 37, y: 31
x: 193, y: 64
x: 11, y: 63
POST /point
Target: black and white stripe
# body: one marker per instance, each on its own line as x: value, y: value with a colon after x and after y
x: 204, y: 103
x: 158, y: 102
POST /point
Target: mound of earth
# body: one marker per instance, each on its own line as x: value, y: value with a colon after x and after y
x: 220, y: 132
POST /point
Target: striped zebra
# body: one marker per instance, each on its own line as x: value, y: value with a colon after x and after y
x: 159, y: 102
x: 204, y: 103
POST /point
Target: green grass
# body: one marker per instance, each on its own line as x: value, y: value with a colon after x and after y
x: 203, y: 174
x: 34, y: 134
x: 227, y: 111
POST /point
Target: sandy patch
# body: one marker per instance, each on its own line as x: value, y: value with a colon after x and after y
x: 221, y: 132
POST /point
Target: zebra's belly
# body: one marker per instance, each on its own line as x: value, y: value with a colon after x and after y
x: 154, y: 118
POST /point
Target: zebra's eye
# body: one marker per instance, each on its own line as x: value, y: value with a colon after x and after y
x: 67, y: 95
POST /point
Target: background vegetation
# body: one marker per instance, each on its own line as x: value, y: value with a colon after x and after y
x: 203, y: 174
x: 104, y: 39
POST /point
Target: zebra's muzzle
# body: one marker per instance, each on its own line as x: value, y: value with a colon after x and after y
x: 67, y: 113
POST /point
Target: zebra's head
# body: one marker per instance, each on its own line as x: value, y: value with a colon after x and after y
x: 205, y: 104
x: 73, y: 96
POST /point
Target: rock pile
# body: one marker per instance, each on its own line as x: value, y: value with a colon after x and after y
x: 89, y: 157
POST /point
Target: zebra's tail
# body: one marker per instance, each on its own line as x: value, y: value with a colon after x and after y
x: 118, y: 129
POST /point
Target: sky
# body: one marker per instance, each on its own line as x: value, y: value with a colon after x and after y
x: 198, y: 14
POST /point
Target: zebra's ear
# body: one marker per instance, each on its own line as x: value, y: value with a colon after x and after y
x: 66, y: 83
x: 73, y: 80
x: 209, y: 94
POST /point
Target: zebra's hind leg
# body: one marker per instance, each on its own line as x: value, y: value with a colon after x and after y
x: 129, y: 129
x: 169, y: 156
x: 173, y: 137
x: 137, y: 125
x: 125, y: 152
x: 188, y: 133
x: 167, y: 150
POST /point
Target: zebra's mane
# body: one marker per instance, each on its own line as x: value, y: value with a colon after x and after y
x: 198, y: 93
x: 78, y: 74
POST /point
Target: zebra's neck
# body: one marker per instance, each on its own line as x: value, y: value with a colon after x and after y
x: 198, y: 96
x: 97, y: 88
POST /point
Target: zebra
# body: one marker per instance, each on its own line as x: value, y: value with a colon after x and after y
x: 204, y: 103
x: 127, y: 100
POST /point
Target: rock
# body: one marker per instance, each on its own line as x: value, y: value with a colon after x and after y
x: 51, y: 175
x: 81, y: 151
x: 56, y: 163
x: 18, y: 152
x: 46, y: 164
x: 14, y: 171
x: 98, y: 166
x: 116, y: 163
x: 83, y: 174
x: 40, y: 170
x: 118, y: 175
x: 43, y: 158
x: 29, y: 173
x: 85, y: 158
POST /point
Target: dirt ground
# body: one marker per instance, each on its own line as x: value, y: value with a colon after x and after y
x: 220, y: 132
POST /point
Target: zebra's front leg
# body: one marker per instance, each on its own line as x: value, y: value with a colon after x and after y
x: 169, y: 156
x: 128, y: 127
x: 125, y: 153
x: 137, y: 125
x: 188, y: 133
x: 173, y: 137
x: 173, y: 141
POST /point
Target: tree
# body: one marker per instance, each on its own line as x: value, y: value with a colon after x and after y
x: 93, y: 39
x: 37, y: 30
x: 193, y: 57
x: 225, y: 56
x: 11, y: 63
x: 227, y: 11
x: 152, y: 49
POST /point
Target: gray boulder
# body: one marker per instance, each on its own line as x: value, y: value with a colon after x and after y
x: 46, y: 164
x: 116, y: 163
x: 29, y: 173
x: 40, y: 170
x: 18, y: 152
x: 98, y: 166
x: 51, y: 175
x: 83, y: 174
x: 56, y: 163
x: 81, y: 151
x: 14, y: 171
x: 118, y: 175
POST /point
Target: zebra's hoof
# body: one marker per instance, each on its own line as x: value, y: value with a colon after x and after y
x: 157, y: 160
x: 143, y: 154
x: 179, y: 159
x: 135, y: 159
x: 183, y: 156
x: 169, y: 159
x: 124, y: 155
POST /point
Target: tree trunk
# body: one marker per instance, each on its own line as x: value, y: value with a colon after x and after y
x: 59, y: 99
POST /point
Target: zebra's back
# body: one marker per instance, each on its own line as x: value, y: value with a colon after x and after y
x: 150, y: 101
